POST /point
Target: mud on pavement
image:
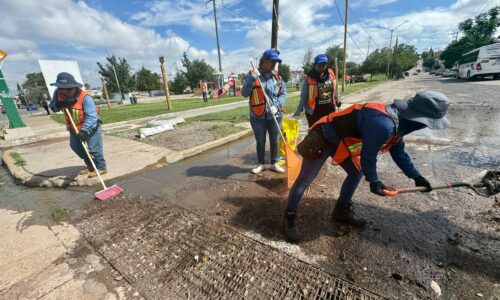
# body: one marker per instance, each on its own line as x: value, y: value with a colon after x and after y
x: 451, y: 238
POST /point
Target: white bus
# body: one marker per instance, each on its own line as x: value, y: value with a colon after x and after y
x: 481, y: 62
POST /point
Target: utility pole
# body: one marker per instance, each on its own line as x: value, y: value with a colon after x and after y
x: 345, y: 44
x: 165, y: 83
x: 274, y: 31
x: 368, y: 52
x: 394, y: 58
x: 389, y: 55
x: 116, y: 78
x: 218, y: 45
x: 105, y: 89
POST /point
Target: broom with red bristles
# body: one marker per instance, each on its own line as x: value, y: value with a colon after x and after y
x: 107, y: 192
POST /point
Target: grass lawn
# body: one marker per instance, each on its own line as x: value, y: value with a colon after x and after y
x: 237, y: 115
x: 241, y: 114
x: 131, y: 112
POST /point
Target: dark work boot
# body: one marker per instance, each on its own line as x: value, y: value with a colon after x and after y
x: 290, y: 226
x: 345, y: 213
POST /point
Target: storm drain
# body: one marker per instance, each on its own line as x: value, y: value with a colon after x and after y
x: 171, y: 253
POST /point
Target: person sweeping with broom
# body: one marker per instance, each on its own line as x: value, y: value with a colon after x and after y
x: 84, y: 114
x: 263, y: 115
x: 353, y: 138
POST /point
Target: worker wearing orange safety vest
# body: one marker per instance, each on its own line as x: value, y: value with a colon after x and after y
x: 353, y: 138
x: 203, y: 84
x: 84, y: 113
x: 261, y: 113
x: 319, y: 95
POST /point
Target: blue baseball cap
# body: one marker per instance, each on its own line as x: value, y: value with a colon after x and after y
x: 320, y: 59
x: 272, y: 54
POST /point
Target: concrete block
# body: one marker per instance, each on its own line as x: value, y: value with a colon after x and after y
x: 12, y: 134
x: 173, y: 121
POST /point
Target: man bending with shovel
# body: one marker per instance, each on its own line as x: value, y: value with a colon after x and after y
x: 353, y: 138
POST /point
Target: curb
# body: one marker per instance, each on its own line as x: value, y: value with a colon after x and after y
x: 32, y: 180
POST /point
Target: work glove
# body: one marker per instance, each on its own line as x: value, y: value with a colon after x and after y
x: 274, y: 109
x: 83, y: 135
x: 377, y: 187
x: 421, y: 181
x: 61, y: 104
x: 339, y: 102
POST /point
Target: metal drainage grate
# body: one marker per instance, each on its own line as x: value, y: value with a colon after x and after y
x: 168, y: 253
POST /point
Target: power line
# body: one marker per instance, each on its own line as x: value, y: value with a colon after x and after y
x: 348, y: 33
x: 363, y: 27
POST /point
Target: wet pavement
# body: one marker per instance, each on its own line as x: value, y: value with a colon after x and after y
x: 449, y: 237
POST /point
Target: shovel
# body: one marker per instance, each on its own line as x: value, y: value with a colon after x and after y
x: 485, y: 183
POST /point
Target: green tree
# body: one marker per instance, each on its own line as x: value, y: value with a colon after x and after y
x: 476, y: 33
x: 405, y: 57
x: 352, y: 68
x: 179, y: 84
x: 331, y: 53
x: 430, y: 62
x: 196, y: 70
x: 376, y: 62
x: 34, y: 88
x: 284, y: 71
x: 307, y: 61
x: 147, y: 80
x: 21, y: 96
x: 122, y: 68
x: 87, y: 86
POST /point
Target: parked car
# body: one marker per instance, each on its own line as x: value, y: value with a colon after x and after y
x: 407, y: 73
x: 432, y: 73
x: 415, y: 73
x: 32, y: 106
x: 450, y: 73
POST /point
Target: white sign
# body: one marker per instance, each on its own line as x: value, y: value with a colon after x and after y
x: 50, y: 69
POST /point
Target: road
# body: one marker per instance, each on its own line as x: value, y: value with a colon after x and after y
x: 449, y: 237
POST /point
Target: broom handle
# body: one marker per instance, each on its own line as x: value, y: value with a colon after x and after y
x: 267, y: 103
x: 85, y: 147
x: 396, y: 192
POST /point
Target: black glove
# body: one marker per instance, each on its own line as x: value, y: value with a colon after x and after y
x: 83, y: 135
x: 421, y: 181
x: 61, y: 104
x: 339, y: 103
x: 377, y: 187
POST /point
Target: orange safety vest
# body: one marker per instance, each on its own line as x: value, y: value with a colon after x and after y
x: 203, y: 87
x: 312, y: 88
x: 345, y: 125
x: 257, y: 97
x: 76, y: 110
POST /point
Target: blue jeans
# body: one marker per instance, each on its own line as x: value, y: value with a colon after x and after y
x: 309, y: 171
x: 260, y: 128
x: 95, y: 145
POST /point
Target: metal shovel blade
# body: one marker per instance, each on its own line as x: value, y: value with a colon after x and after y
x: 486, y: 183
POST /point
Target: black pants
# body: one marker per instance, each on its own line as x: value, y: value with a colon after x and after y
x: 47, y: 109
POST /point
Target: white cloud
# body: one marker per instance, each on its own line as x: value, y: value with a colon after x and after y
x: 79, y: 32
x: 370, y: 3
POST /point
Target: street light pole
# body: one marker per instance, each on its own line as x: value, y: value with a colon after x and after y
x: 390, y: 44
x: 345, y: 45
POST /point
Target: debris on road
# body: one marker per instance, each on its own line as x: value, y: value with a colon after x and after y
x: 435, y: 287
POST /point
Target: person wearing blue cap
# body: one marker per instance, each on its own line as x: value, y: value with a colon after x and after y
x: 262, y: 113
x: 319, y: 95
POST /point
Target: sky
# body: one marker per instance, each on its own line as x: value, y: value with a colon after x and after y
x: 141, y: 31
